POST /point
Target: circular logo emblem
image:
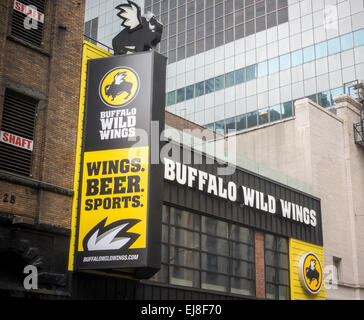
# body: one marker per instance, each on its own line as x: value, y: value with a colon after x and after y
x: 119, y: 87
x: 310, y: 273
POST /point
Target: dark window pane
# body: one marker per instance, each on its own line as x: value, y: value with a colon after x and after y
x: 200, y: 46
x: 275, y: 113
x: 271, y: 20
x: 241, y: 122
x: 171, y: 98
x: 240, y: 76
x: 260, y: 24
x: 212, y: 281
x: 210, y: 86
x: 219, y: 83
x: 219, y: 24
x: 263, y: 116
x: 250, y: 28
x: 271, y: 5
x: 209, y: 43
x: 239, y: 31
x: 287, y: 110
x: 230, y: 125
x: 229, y: 21
x: 260, y: 9
x: 180, y: 95
x: 190, y: 49
x: 252, y: 119
x: 229, y: 79
x: 229, y: 35
x: 220, y: 127
x: 219, y: 39
x: 214, y: 227
x: 190, y: 90
x: 251, y: 72
x: 249, y: 13
x: 200, y: 89
x: 283, y: 15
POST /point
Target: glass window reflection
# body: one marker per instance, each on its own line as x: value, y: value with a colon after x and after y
x: 285, y: 62
x: 333, y: 46
x: 296, y: 58
x: 308, y: 54
x: 321, y: 50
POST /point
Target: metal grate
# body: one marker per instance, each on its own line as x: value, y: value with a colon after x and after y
x: 18, y: 118
x: 33, y: 33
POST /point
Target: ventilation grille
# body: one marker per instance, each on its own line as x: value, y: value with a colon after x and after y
x: 18, y: 118
x: 19, y: 29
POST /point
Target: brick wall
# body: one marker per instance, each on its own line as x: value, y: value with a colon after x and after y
x: 52, y: 75
x: 259, y: 264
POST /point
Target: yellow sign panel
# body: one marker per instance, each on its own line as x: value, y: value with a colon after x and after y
x: 115, y: 188
x: 306, y: 271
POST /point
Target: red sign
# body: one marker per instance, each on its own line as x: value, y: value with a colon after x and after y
x: 16, y: 141
x: 30, y: 11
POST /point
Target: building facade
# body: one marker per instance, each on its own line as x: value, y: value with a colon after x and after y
x: 234, y: 65
x: 40, y: 60
x: 237, y: 66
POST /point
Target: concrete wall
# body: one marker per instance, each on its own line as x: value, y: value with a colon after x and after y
x: 317, y: 148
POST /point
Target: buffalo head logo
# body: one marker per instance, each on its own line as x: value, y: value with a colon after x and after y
x: 118, y: 86
x: 141, y: 33
x: 312, y: 273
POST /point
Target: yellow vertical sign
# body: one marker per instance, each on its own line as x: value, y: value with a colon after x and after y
x: 90, y: 51
x: 306, y: 271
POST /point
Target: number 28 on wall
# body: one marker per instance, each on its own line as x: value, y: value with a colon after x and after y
x: 8, y: 198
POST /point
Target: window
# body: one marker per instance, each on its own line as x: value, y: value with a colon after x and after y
x: 240, y: 76
x: 359, y: 38
x: 276, y: 267
x: 17, y: 123
x: 91, y: 28
x: 251, y: 72
x: 346, y: 42
x: 25, y: 28
x: 210, y: 126
x: 275, y: 113
x: 220, y: 127
x: 209, y: 86
x: 229, y: 79
x: 171, y: 98
x: 296, y: 58
x: 308, y: 54
x: 180, y: 95
x: 287, y: 110
x: 206, y: 253
x: 323, y: 99
x: 321, y: 50
x: 219, y: 82
x: 230, y: 125
x: 273, y: 65
x: 337, y: 262
x: 285, y: 62
x: 335, y: 93
x: 263, y: 116
x: 262, y: 69
x: 190, y: 92
x: 200, y: 89
x: 252, y: 119
x: 241, y: 122
x: 333, y: 46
